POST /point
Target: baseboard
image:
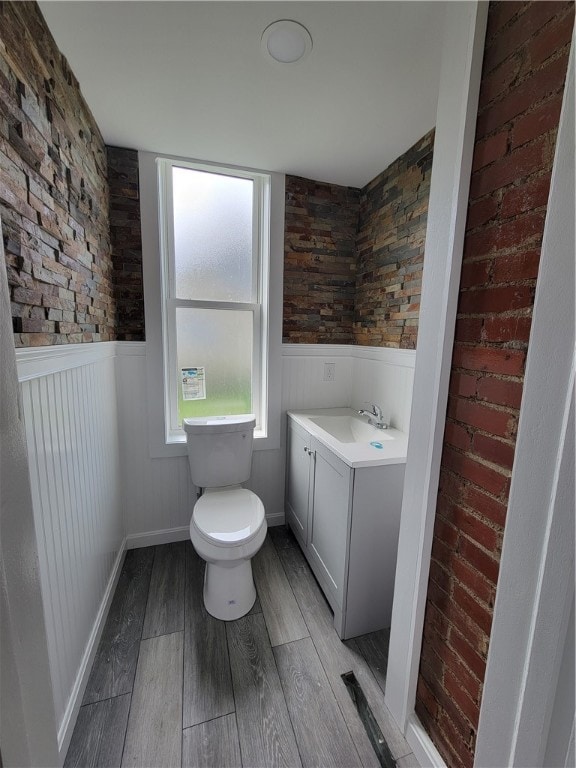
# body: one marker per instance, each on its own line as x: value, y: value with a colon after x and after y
x: 152, y: 538
x: 77, y: 694
x: 279, y: 518
x: 422, y: 745
x: 168, y: 535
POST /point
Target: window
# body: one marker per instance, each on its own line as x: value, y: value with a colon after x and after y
x: 214, y: 242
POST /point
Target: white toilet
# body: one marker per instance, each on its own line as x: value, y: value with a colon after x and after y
x: 228, y: 525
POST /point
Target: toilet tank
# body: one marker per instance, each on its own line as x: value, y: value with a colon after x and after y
x: 220, y: 449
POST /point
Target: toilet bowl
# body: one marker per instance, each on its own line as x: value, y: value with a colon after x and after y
x: 227, y: 528
x: 228, y: 524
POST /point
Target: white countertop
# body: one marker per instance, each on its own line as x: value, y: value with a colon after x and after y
x: 356, y: 454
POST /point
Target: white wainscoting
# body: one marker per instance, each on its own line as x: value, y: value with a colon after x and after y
x: 379, y: 375
x: 70, y: 414
x: 158, y: 494
x: 303, y: 384
x: 362, y: 374
x: 386, y: 377
x: 96, y: 490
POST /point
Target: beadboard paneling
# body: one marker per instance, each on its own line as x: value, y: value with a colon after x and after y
x: 72, y: 436
x: 303, y: 384
x: 363, y: 374
x: 93, y: 480
x: 389, y: 384
x: 267, y: 481
x: 158, y: 493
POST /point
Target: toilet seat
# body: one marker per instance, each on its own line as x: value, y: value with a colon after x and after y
x: 228, y: 518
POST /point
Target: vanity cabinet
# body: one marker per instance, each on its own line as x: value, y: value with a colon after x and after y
x: 346, y: 521
x: 298, y: 480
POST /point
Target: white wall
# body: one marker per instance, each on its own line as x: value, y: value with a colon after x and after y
x: 560, y: 748
x: 158, y: 495
x: 386, y: 377
x: 363, y: 375
x: 70, y: 415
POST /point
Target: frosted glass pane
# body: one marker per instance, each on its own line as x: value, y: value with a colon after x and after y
x: 212, y: 236
x: 220, y: 342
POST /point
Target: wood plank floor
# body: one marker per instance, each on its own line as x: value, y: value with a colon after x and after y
x: 172, y: 686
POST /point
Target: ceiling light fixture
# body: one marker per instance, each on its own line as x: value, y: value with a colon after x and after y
x: 286, y: 42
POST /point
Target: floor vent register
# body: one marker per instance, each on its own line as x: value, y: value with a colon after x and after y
x: 369, y: 721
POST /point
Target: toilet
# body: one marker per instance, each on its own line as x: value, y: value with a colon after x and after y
x: 228, y: 525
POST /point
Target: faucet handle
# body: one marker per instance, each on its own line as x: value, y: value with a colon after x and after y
x: 376, y: 410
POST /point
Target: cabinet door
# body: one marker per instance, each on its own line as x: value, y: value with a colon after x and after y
x: 328, y: 533
x: 298, y: 481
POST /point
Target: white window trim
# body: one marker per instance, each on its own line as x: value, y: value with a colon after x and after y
x: 258, y: 307
x: 271, y: 331
x: 465, y: 25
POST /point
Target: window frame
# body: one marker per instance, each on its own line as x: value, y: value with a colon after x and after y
x: 271, y: 233
x: 260, y: 289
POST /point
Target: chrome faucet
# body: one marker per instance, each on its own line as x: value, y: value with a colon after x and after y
x: 375, y: 416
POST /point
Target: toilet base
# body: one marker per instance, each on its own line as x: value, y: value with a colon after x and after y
x: 229, y: 591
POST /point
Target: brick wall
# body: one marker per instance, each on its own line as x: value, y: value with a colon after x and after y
x: 524, y: 70
x: 319, y: 262
x: 126, y: 242
x: 390, y: 250
x: 353, y: 258
x: 54, y: 195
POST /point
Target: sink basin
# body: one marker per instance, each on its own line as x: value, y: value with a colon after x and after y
x: 350, y: 429
x: 350, y: 438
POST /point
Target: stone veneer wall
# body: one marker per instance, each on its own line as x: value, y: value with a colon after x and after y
x: 390, y: 250
x: 54, y: 193
x: 523, y: 76
x: 353, y: 258
x: 126, y: 242
x: 319, y: 262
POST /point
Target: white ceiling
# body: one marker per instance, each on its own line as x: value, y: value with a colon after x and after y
x: 190, y: 79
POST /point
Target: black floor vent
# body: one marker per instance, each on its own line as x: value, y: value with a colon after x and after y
x: 372, y: 729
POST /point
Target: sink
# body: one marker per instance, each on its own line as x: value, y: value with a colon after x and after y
x: 350, y: 429
x: 350, y: 438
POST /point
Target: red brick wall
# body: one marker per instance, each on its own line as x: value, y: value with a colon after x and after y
x: 319, y: 262
x: 54, y: 194
x: 390, y: 250
x: 126, y: 242
x: 523, y: 76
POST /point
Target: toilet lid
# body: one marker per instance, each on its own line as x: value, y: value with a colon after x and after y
x: 228, y: 518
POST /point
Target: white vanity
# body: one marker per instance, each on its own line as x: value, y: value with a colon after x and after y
x: 343, y: 500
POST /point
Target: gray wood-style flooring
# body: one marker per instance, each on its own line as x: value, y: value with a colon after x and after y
x: 173, y: 687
